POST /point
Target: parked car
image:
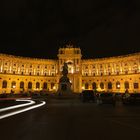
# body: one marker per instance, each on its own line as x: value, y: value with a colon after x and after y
x: 132, y: 98
x: 107, y: 98
x: 87, y: 95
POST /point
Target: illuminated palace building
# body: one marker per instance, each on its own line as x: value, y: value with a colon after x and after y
x: 113, y: 74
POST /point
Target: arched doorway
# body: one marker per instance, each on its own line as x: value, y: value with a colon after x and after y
x: 102, y: 85
x: 30, y: 85
x: 4, y: 84
x: 13, y: 84
x: 118, y: 86
x: 45, y: 86
x: 21, y: 85
x: 94, y: 86
x: 37, y: 85
x: 126, y: 85
x: 86, y: 86
x: 109, y: 85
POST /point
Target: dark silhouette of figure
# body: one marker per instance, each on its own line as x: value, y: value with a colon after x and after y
x: 65, y: 69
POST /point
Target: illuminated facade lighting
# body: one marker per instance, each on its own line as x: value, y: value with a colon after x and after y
x: 84, y: 73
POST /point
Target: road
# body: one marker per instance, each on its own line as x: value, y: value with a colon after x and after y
x: 70, y: 119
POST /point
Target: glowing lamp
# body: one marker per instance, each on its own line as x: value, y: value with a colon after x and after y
x: 118, y: 85
x: 83, y: 88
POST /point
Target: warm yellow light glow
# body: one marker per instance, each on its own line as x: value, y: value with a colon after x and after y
x: 83, y: 87
x: 118, y: 85
x: 10, y: 69
x: 117, y: 70
x: 54, y: 88
x: 72, y: 71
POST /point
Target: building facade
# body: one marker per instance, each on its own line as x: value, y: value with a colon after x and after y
x: 113, y: 74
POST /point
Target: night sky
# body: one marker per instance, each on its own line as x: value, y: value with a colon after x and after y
x: 101, y: 28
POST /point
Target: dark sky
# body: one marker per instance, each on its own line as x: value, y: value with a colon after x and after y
x: 101, y: 28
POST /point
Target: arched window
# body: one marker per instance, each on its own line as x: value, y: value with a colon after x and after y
x: 94, y: 85
x: 13, y: 84
x: 4, y: 84
x: 118, y: 85
x: 45, y: 85
x: 109, y: 85
x: 30, y: 85
x: 86, y: 85
x: 102, y: 85
x: 22, y: 85
x: 126, y: 85
x: 37, y: 85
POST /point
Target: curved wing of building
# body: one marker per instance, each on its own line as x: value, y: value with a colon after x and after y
x: 114, y: 74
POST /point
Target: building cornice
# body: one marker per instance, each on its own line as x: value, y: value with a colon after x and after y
x: 133, y: 55
x: 26, y: 58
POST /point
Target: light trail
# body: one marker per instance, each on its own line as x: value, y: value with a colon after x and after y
x: 22, y: 110
x: 18, y: 106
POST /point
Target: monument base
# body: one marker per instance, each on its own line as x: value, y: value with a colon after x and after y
x: 64, y: 88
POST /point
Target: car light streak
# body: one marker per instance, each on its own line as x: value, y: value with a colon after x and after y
x: 22, y: 110
x: 18, y: 106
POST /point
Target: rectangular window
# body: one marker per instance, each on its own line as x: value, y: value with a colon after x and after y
x: 136, y: 85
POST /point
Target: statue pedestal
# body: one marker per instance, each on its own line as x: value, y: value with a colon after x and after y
x: 64, y: 86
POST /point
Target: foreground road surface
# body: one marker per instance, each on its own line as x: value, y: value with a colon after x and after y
x: 70, y: 119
